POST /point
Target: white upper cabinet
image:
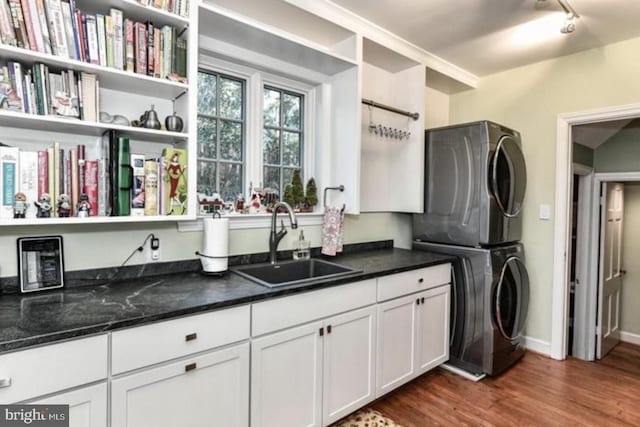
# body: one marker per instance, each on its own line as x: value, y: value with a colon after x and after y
x: 392, y: 155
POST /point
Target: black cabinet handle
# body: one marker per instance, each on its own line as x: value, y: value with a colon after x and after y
x: 329, y: 329
x: 420, y: 280
x: 418, y: 301
x: 190, y: 367
x: 321, y: 331
x: 191, y: 337
x: 422, y: 300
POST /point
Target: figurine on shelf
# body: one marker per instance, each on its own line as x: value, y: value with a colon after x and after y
x: 64, y: 206
x: 44, y: 206
x: 20, y: 205
x: 84, y: 207
x: 255, y: 205
x: 239, y: 204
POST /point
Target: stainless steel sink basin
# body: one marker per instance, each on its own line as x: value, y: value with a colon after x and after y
x: 293, y: 272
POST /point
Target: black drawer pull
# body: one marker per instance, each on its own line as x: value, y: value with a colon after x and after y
x: 420, y: 280
x: 191, y: 337
x: 321, y: 332
x: 329, y: 329
x: 418, y: 301
x: 190, y: 367
x: 422, y: 300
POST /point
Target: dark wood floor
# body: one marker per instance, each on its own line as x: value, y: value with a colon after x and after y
x: 538, y: 391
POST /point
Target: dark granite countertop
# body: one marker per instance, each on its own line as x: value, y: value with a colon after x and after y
x: 29, y: 320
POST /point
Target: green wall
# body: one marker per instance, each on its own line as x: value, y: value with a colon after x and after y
x: 582, y: 155
x: 529, y: 99
x: 630, y: 320
x: 621, y: 152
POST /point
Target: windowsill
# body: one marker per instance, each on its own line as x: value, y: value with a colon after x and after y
x: 247, y: 221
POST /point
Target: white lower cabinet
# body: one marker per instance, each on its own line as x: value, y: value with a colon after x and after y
x: 413, y: 337
x: 87, y: 405
x: 314, y: 374
x: 211, y: 389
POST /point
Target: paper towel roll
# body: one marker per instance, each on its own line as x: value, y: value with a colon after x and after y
x: 215, y: 243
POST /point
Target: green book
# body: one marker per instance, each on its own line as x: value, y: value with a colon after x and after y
x: 125, y: 172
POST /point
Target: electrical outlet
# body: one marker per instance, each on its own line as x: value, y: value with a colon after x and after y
x: 153, y: 251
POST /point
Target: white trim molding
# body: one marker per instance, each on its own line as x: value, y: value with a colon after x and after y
x: 538, y: 346
x: 560, y: 292
x: 630, y: 337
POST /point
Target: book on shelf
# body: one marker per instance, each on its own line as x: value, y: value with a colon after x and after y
x: 57, y: 27
x: 175, y: 181
x: 28, y: 168
x: 9, y: 158
x: 151, y: 187
x: 178, y: 7
x: 91, y: 185
x: 7, y: 32
x: 123, y: 183
x: 43, y: 173
x: 138, y: 195
x: 17, y: 20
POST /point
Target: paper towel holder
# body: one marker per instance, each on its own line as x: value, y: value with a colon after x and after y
x: 200, y: 254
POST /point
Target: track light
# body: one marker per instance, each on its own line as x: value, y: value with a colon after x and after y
x: 569, y: 25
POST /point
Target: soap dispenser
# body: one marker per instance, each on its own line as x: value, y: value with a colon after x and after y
x: 302, y: 249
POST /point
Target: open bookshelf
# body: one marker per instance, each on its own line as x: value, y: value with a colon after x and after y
x: 122, y: 92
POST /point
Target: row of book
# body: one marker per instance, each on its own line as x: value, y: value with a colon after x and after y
x: 37, y: 90
x: 118, y: 184
x: 57, y: 27
x: 179, y: 7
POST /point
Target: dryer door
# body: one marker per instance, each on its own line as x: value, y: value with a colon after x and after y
x: 508, y: 176
x: 511, y: 298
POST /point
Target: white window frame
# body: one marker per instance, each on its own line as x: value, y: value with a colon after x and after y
x: 255, y: 80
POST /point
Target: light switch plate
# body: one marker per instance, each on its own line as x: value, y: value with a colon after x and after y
x: 545, y: 212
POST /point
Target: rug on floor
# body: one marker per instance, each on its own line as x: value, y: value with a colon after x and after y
x: 367, y: 418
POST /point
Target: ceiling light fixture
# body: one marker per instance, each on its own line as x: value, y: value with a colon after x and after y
x: 569, y: 25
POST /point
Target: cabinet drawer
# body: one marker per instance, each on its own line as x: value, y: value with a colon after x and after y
x: 147, y: 345
x: 52, y: 368
x: 284, y: 312
x: 400, y: 284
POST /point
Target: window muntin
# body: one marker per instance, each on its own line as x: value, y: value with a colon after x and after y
x: 282, y: 136
x: 221, y: 134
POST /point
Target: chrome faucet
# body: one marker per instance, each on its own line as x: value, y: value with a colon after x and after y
x: 275, y: 237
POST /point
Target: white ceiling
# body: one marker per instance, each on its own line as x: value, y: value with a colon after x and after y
x: 487, y: 36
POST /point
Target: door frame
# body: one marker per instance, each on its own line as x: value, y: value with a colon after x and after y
x: 562, y: 231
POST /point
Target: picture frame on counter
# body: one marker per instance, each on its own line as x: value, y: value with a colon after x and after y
x: 40, y: 263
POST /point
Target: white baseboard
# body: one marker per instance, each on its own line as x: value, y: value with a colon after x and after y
x: 629, y: 337
x: 538, y: 346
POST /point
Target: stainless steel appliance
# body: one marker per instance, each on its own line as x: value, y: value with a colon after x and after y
x: 489, y: 306
x: 475, y: 181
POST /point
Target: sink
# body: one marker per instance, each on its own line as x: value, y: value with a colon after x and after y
x: 293, y: 272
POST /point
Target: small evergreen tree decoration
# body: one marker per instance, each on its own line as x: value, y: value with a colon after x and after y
x: 288, y: 194
x: 298, y: 190
x: 311, y: 198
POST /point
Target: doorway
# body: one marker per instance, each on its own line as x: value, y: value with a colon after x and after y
x: 562, y: 239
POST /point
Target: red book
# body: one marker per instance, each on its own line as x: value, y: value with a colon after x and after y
x: 43, y: 173
x: 141, y: 47
x: 81, y: 156
x: 91, y: 184
x: 129, y: 46
x: 81, y: 36
x: 27, y: 14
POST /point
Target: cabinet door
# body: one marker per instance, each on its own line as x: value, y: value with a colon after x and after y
x: 433, y: 328
x: 348, y: 363
x: 396, y: 343
x: 207, y: 390
x: 286, y: 380
x: 87, y: 406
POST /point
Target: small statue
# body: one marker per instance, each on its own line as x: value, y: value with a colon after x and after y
x: 44, y: 206
x: 84, y: 207
x: 64, y: 206
x: 239, y: 204
x: 20, y: 205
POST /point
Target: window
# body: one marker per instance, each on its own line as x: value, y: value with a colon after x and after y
x: 254, y: 131
x: 282, y: 136
x: 221, y: 135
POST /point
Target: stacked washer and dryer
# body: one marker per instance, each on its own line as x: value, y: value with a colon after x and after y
x: 475, y: 180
